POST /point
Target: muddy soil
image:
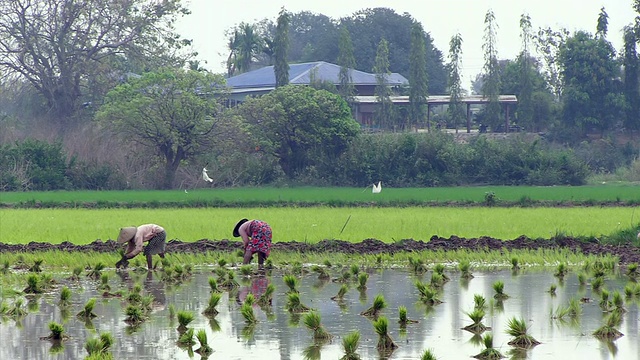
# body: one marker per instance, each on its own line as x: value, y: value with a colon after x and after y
x: 626, y: 253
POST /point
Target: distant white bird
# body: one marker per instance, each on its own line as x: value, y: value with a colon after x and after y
x: 377, y: 188
x: 205, y: 176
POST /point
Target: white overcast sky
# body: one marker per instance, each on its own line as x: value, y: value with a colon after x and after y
x: 210, y: 19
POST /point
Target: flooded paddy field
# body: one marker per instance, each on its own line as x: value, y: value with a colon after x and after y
x: 279, y: 334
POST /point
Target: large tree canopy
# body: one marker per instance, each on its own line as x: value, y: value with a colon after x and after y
x: 175, y: 113
x: 58, y: 45
x: 300, y: 126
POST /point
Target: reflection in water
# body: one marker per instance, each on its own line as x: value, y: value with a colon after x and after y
x: 278, y: 334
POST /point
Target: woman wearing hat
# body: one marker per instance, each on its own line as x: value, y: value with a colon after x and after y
x: 256, y: 238
x: 136, y: 236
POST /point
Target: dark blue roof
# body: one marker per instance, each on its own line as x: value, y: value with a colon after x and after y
x: 301, y: 74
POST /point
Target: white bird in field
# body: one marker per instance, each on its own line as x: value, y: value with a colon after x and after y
x: 205, y: 176
x: 377, y: 188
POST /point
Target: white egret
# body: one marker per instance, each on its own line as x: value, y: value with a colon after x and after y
x: 205, y: 176
x: 377, y: 188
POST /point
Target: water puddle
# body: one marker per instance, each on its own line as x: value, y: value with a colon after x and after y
x: 279, y: 335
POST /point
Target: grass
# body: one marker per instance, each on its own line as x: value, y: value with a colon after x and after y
x: 313, y: 224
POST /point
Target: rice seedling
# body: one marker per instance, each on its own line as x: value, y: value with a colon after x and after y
x: 597, y: 283
x: 608, y: 331
x: 517, y: 328
x: 618, y: 302
x: 94, y: 273
x: 186, y: 338
x: 479, y: 302
x: 17, y: 311
x: 605, y: 304
x: 465, y: 269
x: 428, y: 295
x: 214, y: 300
x: 246, y: 270
x: 249, y: 299
x: 437, y: 280
x: 222, y: 262
x: 341, y: 292
x: 417, y: 265
x: 98, y: 347
x: 135, y: 295
x: 327, y: 263
x: 248, y: 314
x: 294, y: 305
x: 362, y: 281
x: 104, y: 282
x: 57, y: 332
x: 172, y: 311
x: 515, y: 263
x: 213, y: 284
x: 477, y: 327
x: 34, y: 285
x: 87, y: 311
x: 498, y: 287
x: 135, y: 315
x: 378, y: 305
x: 402, y: 316
x: 184, y: 319
x: 229, y: 281
x: 489, y: 352
x: 350, y: 343
x: 313, y: 351
x: 266, y: 299
x: 312, y: 321
x: 204, y: 350
x: 552, y: 289
x: 65, y: 297
x: 354, y: 269
x: 632, y: 290
x: 146, y: 304
x: 632, y: 271
x: 6, y: 267
x: 582, y: 278
x: 37, y: 266
x: 323, y: 274
x: 439, y: 269
x: 292, y: 283
x: 386, y: 345
x: 428, y: 355
x: 561, y: 270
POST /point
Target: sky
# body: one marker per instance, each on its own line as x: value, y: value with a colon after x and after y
x: 210, y: 19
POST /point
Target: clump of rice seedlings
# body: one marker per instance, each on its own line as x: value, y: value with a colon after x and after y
x: 214, y: 300
x: 17, y: 310
x: 222, y: 262
x: 147, y: 303
x: 294, y: 305
x: 479, y: 302
x: 57, y: 332
x: 327, y: 263
x: 246, y: 270
x: 552, y: 289
x: 439, y: 269
x: 341, y: 292
x: 266, y: 299
x: 34, y: 285
x: 477, y: 327
x: 354, y: 269
x: 437, y: 280
x: 515, y: 263
x: 582, y: 278
x: 350, y: 343
x: 599, y: 269
x: 618, y: 302
x: 104, y: 283
x: 402, y: 316
x: 428, y: 355
x: 46, y: 280
x: 517, y: 328
x: 632, y: 290
x: 378, y: 305
x: 250, y: 299
x: 213, y: 284
x: 343, y: 278
x: 87, y: 311
x: 597, y: 283
x: 37, y: 266
x: 573, y: 310
x: 313, y: 351
x: 247, y: 313
x: 386, y: 345
x: 608, y: 331
x: 313, y: 322
x: 6, y: 266
x: 428, y: 295
x: 184, y: 319
x: 362, y: 281
x: 489, y: 351
x: 465, y: 269
x: 229, y: 282
x: 96, y: 271
x: 323, y: 274
x: 561, y: 270
x: 498, y: 287
x: 135, y: 295
x: 65, y: 297
x: 186, y: 338
x: 172, y: 311
x: 417, y: 265
x: 98, y: 347
x: 135, y: 315
x: 204, y: 350
x: 605, y: 304
x: 292, y: 282
x: 632, y: 271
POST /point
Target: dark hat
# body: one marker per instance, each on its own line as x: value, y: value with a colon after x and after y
x: 235, y: 229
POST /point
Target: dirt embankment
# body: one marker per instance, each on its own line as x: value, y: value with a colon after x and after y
x: 626, y: 253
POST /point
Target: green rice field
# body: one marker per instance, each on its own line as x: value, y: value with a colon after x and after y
x: 312, y: 224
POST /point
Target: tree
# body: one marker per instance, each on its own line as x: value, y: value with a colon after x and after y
x: 176, y: 113
x: 300, y: 126
x: 418, y: 81
x: 383, y: 90
x: 603, y: 24
x: 245, y: 45
x: 525, y: 111
x: 347, y: 63
x: 631, y: 64
x: 548, y: 43
x: 58, y: 46
x: 281, y: 47
x: 491, y: 74
x: 456, y: 108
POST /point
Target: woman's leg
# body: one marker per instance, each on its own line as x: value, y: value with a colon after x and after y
x: 248, y: 255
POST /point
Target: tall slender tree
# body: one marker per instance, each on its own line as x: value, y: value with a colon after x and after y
x: 347, y: 63
x: 491, y: 71
x: 525, y: 106
x: 456, y: 108
x: 548, y: 43
x: 281, y: 44
x: 383, y: 90
x: 603, y: 24
x: 631, y: 64
x: 418, y: 80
